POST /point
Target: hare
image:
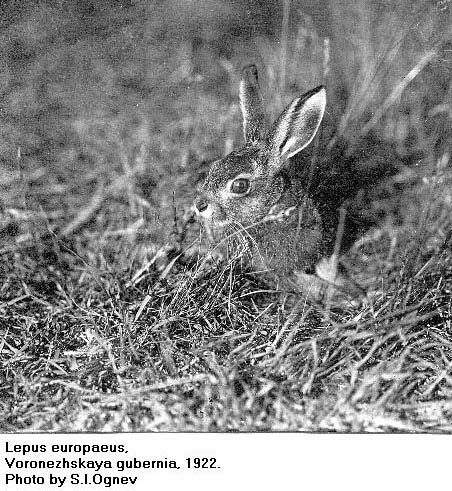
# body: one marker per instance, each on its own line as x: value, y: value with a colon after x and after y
x: 257, y: 194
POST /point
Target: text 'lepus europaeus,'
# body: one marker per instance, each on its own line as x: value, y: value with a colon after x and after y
x: 255, y: 193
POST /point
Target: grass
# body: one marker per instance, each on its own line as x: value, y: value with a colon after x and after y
x: 115, y: 315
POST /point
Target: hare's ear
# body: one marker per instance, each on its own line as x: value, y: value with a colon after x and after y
x: 297, y: 125
x: 252, y: 105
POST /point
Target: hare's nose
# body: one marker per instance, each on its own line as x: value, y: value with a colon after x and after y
x: 201, y: 204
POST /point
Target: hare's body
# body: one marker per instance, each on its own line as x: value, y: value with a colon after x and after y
x: 290, y: 236
x: 255, y: 194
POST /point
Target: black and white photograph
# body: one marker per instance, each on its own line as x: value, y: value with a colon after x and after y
x: 225, y: 216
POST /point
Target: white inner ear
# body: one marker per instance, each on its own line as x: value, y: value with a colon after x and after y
x: 245, y: 114
x: 290, y: 142
x: 303, y: 127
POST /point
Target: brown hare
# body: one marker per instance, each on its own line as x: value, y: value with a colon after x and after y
x: 255, y: 193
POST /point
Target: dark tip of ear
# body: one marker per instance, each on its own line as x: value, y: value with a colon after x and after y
x: 249, y: 72
x: 312, y: 92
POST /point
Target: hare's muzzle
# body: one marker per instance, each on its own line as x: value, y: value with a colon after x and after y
x: 201, y: 204
x: 204, y: 209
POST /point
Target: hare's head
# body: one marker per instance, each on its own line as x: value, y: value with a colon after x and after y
x: 246, y: 185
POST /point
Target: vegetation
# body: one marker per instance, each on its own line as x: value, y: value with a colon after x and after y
x: 117, y: 315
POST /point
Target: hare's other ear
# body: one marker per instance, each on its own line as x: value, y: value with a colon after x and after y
x: 297, y: 125
x: 252, y: 105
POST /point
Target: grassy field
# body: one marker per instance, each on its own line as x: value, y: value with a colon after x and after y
x: 115, y: 312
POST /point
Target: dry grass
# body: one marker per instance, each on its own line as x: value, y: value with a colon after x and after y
x: 114, y: 315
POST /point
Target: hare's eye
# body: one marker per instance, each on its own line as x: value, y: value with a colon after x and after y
x: 240, y: 185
